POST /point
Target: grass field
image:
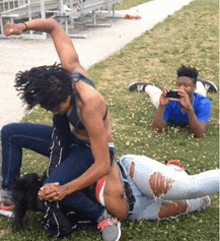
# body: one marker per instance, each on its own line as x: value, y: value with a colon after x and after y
x: 188, y: 37
x: 126, y: 4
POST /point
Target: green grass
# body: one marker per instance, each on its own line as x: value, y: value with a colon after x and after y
x: 126, y: 4
x: 189, y: 37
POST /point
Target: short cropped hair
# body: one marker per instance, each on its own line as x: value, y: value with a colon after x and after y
x: 188, y: 72
x: 47, y: 86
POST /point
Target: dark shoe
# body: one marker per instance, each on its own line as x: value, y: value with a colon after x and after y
x: 138, y: 86
x: 110, y: 228
x: 209, y: 86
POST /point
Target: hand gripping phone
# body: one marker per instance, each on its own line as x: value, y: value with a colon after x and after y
x: 174, y: 94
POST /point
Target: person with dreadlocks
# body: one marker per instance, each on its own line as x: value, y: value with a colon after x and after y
x: 80, y: 143
x: 187, y: 106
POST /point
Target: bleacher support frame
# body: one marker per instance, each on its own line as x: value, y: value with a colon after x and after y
x: 66, y: 11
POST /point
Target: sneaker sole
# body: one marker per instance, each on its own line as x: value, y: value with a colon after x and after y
x: 138, y: 82
x: 119, y: 232
x: 211, y: 83
x: 133, y: 83
x: 6, y: 213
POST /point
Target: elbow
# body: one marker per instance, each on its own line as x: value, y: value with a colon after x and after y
x: 72, y: 65
x: 122, y: 217
x: 199, y: 133
x: 53, y: 26
x: 199, y: 136
x: 157, y: 129
x: 158, y: 126
x: 106, y: 170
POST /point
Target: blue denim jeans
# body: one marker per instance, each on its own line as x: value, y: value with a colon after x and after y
x: 38, y: 138
x: 184, y: 187
x: 78, y: 161
x: 16, y: 136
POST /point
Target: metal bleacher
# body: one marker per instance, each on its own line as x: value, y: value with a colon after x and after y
x: 65, y: 11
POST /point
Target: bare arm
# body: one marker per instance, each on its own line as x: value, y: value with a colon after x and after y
x: 93, y: 104
x: 63, y: 44
x: 197, y: 128
x: 98, y: 137
x: 158, y: 123
x: 96, y: 130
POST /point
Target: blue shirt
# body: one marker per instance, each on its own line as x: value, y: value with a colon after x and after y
x: 174, y: 116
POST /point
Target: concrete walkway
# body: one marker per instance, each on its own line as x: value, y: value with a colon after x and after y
x: 20, y: 54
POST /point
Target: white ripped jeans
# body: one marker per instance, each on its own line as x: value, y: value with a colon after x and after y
x: 192, y: 188
x: 155, y: 92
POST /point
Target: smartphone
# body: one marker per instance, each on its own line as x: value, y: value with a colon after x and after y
x: 173, y: 94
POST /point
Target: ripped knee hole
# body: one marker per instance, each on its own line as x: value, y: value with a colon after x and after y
x: 172, y: 209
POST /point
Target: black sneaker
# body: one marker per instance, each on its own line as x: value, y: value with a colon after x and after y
x: 138, y: 86
x: 209, y: 86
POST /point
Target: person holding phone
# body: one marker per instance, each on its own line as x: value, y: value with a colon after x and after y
x: 186, y: 106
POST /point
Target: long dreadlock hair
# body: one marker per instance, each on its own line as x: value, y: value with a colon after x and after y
x: 188, y: 72
x: 47, y: 86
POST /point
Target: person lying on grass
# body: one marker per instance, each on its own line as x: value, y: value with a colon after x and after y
x: 139, y: 187
x: 187, y: 106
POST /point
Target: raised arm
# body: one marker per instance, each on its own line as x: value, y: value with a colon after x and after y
x: 63, y: 44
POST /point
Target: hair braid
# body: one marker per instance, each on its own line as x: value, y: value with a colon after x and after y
x: 47, y: 86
